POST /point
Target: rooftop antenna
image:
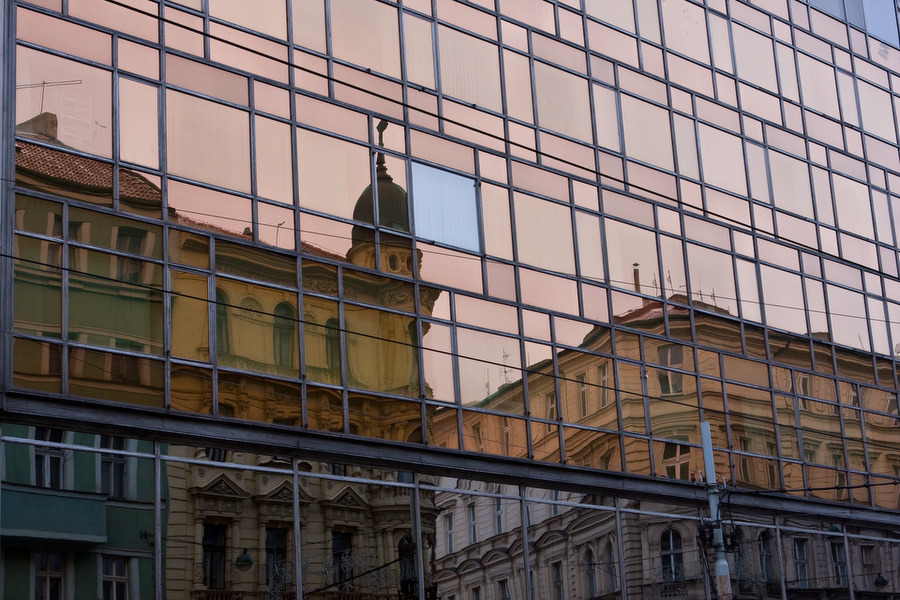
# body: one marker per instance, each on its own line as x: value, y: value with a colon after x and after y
x: 45, y: 84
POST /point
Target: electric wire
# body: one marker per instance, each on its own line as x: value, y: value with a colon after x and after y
x: 799, y: 429
x: 469, y: 127
x: 736, y: 222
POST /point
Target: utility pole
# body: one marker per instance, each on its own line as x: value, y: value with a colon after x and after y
x: 722, y: 574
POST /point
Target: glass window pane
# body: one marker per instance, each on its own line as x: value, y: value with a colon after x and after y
x: 445, y: 207
x: 207, y: 141
x: 366, y: 34
x: 470, y: 68
x: 61, y: 101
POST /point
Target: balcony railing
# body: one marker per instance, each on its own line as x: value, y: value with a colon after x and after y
x: 217, y: 595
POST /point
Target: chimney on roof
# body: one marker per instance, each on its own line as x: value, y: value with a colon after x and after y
x: 45, y: 123
x: 637, y: 277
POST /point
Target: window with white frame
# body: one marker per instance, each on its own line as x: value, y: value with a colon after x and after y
x: 676, y: 460
x: 839, y: 562
x: 115, y: 577
x: 670, y: 553
x: 472, y: 518
x: 603, y: 386
x: 48, y: 576
x: 498, y: 516
x: 112, y: 467
x: 550, y: 413
x: 765, y: 545
x: 670, y: 382
x: 583, y: 400
x: 801, y: 563
x: 448, y: 533
x: 48, y: 461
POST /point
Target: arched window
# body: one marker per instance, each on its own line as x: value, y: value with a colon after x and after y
x: 333, y: 345
x: 766, y: 560
x: 609, y: 568
x: 590, y: 574
x: 670, y: 555
x: 223, y: 345
x: 283, y: 335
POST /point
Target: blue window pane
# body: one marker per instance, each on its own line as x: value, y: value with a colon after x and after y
x: 445, y: 207
x: 832, y: 7
x: 855, y: 13
x: 881, y: 20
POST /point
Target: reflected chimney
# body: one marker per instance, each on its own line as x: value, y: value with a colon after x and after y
x: 637, y: 278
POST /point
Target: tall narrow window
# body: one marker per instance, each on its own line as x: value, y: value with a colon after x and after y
x: 550, y: 400
x: 603, y: 383
x: 48, y: 462
x: 498, y: 516
x: 476, y: 593
x: 801, y: 563
x: 609, y: 568
x: 473, y: 523
x: 590, y: 574
x: 342, y: 560
x: 559, y: 590
x: 276, y: 558
x: 223, y: 345
x: 112, y: 467
x: 554, y: 507
x: 766, y: 559
x: 839, y: 560
x: 48, y: 576
x: 333, y: 345
x: 670, y: 555
x: 115, y: 578
x: 581, y: 382
x: 283, y: 335
x: 213, y: 564
x: 448, y: 533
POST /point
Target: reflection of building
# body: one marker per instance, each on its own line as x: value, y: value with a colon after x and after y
x: 343, y: 268
x: 84, y: 517
x: 577, y: 548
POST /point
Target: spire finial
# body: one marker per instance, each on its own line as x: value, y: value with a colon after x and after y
x: 382, y: 125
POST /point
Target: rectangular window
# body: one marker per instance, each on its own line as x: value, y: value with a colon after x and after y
x: 498, y: 516
x: 342, y: 560
x: 868, y: 562
x: 801, y: 563
x: 473, y: 523
x: 603, y: 384
x: 559, y: 591
x: 48, y: 462
x: 503, y: 590
x: 448, y: 532
x: 445, y: 207
x: 476, y: 593
x: 115, y: 578
x: 48, y: 576
x: 112, y: 467
x: 550, y: 413
x: 745, y: 461
x: 214, y: 555
x: 276, y: 558
x: 839, y: 560
x: 670, y: 382
x: 582, y: 394
x: 554, y: 508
